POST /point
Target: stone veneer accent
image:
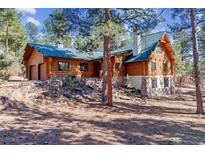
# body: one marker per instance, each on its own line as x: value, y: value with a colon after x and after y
x: 146, y: 86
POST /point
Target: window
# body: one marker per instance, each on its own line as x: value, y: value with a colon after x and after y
x: 63, y: 66
x: 158, y: 50
x: 83, y: 67
x: 165, y: 67
x: 166, y: 82
x: 154, y: 83
x: 117, y: 67
x: 154, y: 66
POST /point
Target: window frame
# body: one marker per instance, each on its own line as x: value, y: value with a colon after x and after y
x: 167, y: 83
x: 165, y: 64
x: 153, y: 83
x: 68, y: 66
x: 154, y: 65
x: 83, y: 64
x: 117, y: 67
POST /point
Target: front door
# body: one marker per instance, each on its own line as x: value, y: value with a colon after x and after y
x: 97, y: 68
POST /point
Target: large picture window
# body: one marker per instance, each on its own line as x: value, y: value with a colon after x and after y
x: 83, y: 67
x: 63, y: 66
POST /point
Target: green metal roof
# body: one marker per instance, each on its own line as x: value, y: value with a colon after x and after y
x: 51, y: 51
x: 148, y: 44
x: 142, y: 56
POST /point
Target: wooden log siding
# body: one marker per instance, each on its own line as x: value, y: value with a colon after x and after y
x: 35, y: 59
x: 137, y: 69
x: 160, y: 58
x: 74, y: 68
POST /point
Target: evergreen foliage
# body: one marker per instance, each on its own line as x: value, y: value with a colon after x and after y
x: 4, y: 75
x: 88, y: 26
x: 12, y: 33
x: 57, y: 27
x: 32, y: 31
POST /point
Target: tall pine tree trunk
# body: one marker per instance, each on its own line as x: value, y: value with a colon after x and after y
x: 107, y: 70
x: 7, y: 38
x: 199, y: 99
x: 204, y: 55
x: 104, y: 98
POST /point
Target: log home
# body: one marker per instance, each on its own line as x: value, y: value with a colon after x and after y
x: 147, y: 63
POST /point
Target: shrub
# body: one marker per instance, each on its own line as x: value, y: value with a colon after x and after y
x: 127, y: 82
x: 71, y: 82
x: 4, y: 76
x: 4, y: 63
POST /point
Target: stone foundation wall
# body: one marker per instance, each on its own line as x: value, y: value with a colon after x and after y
x: 147, y: 89
x: 144, y: 84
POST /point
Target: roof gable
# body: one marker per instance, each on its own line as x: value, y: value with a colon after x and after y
x: 149, y: 43
x: 143, y: 55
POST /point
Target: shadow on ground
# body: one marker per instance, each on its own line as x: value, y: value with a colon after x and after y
x: 32, y: 125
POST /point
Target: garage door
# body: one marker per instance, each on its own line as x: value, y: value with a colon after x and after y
x: 42, y: 72
x: 33, y: 73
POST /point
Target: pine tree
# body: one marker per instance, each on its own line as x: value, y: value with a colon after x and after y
x: 107, y: 71
x: 200, y: 109
x: 189, y: 19
x: 183, y: 65
x: 12, y: 33
x: 58, y: 28
x: 4, y: 75
x: 32, y: 31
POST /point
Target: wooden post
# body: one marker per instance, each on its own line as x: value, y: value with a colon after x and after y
x: 49, y: 66
x: 26, y: 73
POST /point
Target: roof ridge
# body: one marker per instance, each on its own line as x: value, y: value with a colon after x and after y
x: 154, y: 33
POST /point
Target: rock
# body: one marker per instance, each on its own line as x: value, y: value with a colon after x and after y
x: 48, y: 138
x: 54, y: 90
x: 6, y: 103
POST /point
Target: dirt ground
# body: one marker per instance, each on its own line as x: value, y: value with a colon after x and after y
x: 132, y: 120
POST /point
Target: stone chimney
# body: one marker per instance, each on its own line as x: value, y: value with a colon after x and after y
x: 59, y: 44
x: 136, y: 42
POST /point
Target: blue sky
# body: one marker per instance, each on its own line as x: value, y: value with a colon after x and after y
x: 37, y: 16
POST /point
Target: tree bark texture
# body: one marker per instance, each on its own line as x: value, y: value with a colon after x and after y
x: 199, y: 99
x: 107, y: 69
